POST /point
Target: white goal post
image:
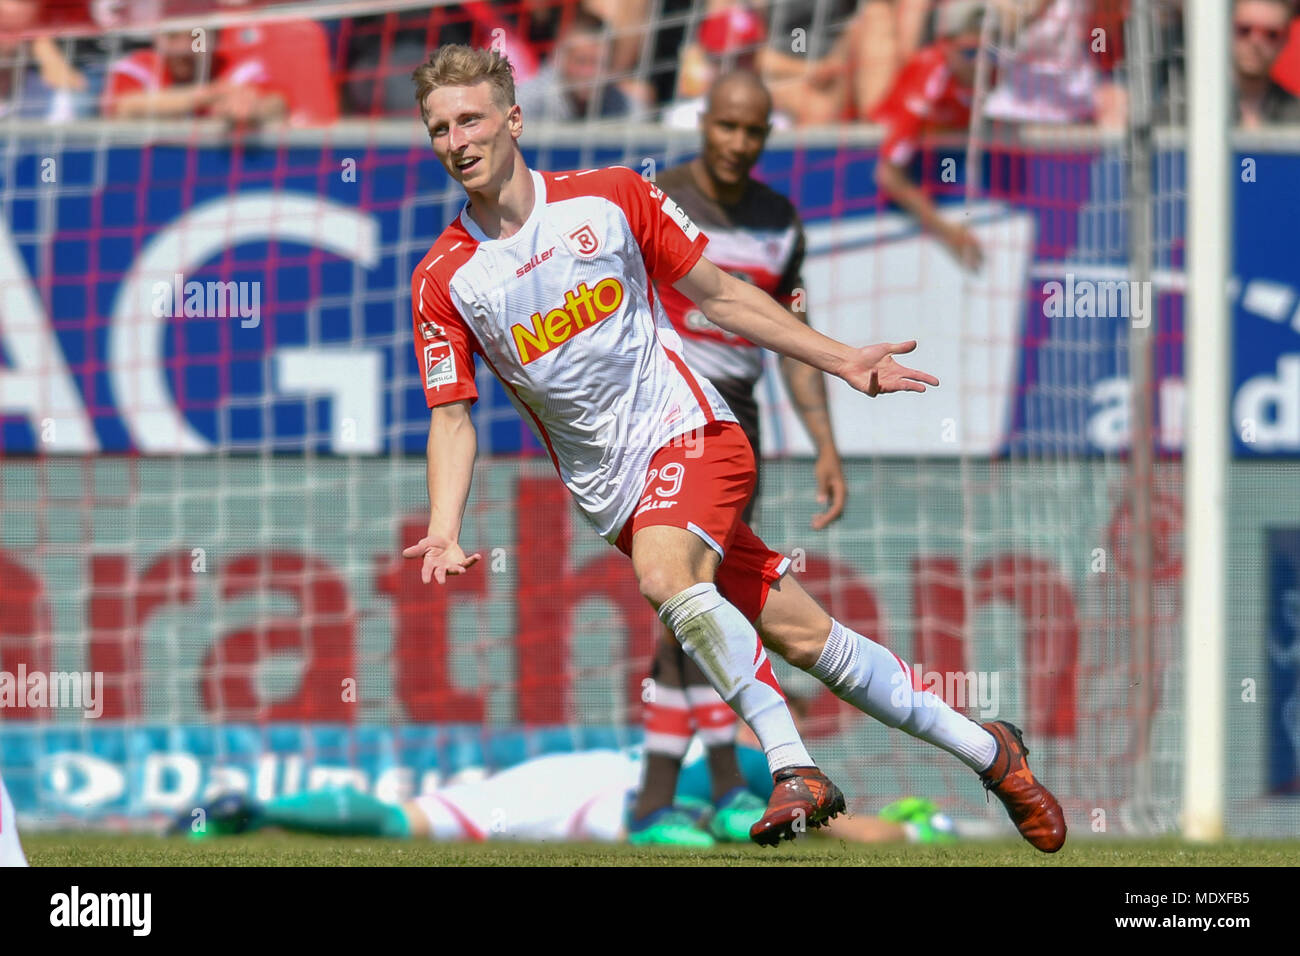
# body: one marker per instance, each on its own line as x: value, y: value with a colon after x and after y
x: 1205, y: 455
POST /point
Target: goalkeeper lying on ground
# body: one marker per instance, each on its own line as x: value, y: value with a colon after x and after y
x: 578, y: 797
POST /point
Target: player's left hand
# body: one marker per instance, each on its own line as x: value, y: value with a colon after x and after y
x: 829, y: 473
x: 873, y: 371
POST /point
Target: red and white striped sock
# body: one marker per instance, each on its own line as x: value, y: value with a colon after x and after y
x: 712, y: 719
x: 667, y: 721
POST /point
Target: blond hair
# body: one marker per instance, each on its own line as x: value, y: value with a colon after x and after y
x: 456, y: 65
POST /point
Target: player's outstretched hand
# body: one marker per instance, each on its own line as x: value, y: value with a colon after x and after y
x: 873, y: 371
x: 442, y: 557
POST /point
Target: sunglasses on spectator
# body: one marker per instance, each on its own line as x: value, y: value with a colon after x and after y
x: 1271, y: 34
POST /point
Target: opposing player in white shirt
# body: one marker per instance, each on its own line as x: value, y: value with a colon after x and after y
x: 549, y: 277
x: 11, y: 851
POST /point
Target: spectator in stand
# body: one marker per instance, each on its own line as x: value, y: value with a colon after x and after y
x: 268, y: 72
x: 1259, y: 31
x: 628, y: 21
x: 169, y: 80
x: 36, y: 79
x: 278, y: 60
x: 1047, y: 75
x: 532, y: 29
x: 833, y: 60
x: 727, y: 40
x: 932, y: 93
x: 576, y: 82
x: 383, y: 50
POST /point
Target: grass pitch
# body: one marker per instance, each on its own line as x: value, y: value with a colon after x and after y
x: 273, y: 849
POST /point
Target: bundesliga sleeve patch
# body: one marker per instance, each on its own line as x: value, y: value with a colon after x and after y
x: 439, y: 365
x: 680, y: 217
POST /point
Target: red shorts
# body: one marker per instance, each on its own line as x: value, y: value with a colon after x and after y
x: 701, y: 482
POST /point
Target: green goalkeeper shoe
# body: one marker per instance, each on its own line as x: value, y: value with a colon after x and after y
x: 922, y: 820
x: 225, y: 816
x: 668, y: 827
x: 908, y: 809
x: 737, y: 811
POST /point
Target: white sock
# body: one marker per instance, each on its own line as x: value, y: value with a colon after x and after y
x: 869, y: 677
x: 725, y: 646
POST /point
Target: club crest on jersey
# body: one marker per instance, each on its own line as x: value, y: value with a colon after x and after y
x: 583, y: 307
x: 583, y: 241
x: 439, y: 365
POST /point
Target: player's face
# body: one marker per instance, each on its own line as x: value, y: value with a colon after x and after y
x: 735, y: 129
x: 472, y: 135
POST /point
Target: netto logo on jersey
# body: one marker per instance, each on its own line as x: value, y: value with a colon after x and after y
x: 583, y: 308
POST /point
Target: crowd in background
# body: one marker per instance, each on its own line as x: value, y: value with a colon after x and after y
x: 825, y: 61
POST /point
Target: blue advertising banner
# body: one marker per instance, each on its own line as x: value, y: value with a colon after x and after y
x: 1282, y: 547
x: 161, y: 770
x: 1266, y: 354
x: 187, y: 299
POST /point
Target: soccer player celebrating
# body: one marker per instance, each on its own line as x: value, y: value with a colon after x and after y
x: 549, y: 277
x: 754, y: 234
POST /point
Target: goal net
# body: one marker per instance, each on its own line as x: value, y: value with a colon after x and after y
x: 213, y: 433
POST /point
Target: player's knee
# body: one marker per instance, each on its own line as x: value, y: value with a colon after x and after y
x: 801, y: 654
x: 659, y: 583
x: 800, y: 646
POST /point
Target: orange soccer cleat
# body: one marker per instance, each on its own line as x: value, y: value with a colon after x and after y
x: 1031, y: 806
x: 801, y: 797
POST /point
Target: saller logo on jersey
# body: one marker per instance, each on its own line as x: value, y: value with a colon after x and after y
x: 583, y: 308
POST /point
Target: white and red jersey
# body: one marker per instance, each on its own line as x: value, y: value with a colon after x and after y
x: 564, y: 313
